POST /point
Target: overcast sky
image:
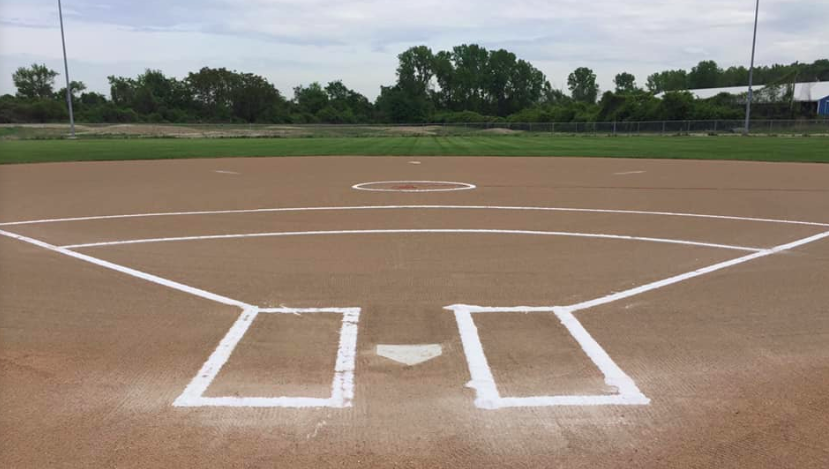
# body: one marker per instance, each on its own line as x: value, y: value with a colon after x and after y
x: 299, y: 41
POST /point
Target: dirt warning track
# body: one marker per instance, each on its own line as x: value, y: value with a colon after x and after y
x: 578, y: 313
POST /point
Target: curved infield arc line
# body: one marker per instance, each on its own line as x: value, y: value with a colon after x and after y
x: 464, y: 186
x: 416, y: 207
x: 343, y: 392
x: 400, y: 231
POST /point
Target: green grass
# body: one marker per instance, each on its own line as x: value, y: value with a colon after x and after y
x: 800, y: 149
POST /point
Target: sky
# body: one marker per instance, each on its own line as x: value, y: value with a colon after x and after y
x: 294, y: 42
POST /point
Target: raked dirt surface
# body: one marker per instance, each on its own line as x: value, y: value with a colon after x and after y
x: 735, y: 362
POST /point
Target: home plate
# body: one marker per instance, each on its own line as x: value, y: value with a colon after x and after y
x: 410, y: 354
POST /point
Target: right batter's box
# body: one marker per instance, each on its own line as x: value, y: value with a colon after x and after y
x: 538, y: 363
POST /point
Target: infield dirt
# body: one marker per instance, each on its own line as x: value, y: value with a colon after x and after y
x: 735, y: 363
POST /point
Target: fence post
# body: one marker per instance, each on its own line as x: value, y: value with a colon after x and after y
x: 715, y: 125
x: 553, y: 128
x: 614, y: 128
x: 663, y: 127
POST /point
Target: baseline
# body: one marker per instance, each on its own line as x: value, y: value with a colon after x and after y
x: 130, y: 271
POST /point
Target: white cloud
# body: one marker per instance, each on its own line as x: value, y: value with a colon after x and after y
x: 298, y: 41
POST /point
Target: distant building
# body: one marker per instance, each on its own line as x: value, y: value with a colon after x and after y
x: 816, y: 93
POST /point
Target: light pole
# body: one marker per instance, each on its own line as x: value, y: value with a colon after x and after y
x: 751, y: 71
x: 66, y: 70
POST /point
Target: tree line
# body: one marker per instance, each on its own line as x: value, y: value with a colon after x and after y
x: 468, y: 83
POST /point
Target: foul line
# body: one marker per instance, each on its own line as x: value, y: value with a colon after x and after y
x: 482, y: 379
x: 415, y: 207
x: 130, y: 271
x: 483, y: 382
x: 398, y: 231
x: 653, y: 285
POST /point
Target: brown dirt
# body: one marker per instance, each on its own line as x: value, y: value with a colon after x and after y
x: 502, y: 131
x: 417, y: 130
x: 735, y: 362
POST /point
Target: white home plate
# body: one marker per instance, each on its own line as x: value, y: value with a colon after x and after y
x: 410, y: 354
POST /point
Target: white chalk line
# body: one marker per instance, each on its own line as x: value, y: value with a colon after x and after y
x: 226, y: 172
x: 130, y: 271
x: 400, y: 231
x: 194, y: 391
x: 342, y: 391
x: 625, y: 173
x: 486, y: 389
x: 342, y: 386
x: 463, y: 186
x: 415, y: 207
x: 653, y: 285
x: 487, y: 395
x: 482, y: 380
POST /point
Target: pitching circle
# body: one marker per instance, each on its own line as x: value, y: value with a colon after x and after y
x: 413, y: 186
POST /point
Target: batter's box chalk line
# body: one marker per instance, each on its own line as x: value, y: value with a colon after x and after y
x: 342, y: 386
x: 483, y: 382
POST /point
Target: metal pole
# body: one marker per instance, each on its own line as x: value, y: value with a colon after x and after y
x: 66, y: 70
x: 751, y: 70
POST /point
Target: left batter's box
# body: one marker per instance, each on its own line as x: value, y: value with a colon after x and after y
x: 342, y: 386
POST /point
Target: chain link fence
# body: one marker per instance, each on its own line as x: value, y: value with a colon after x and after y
x: 687, y: 127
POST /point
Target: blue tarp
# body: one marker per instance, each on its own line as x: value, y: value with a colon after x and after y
x: 823, y: 107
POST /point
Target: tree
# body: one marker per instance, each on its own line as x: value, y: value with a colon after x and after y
x: 677, y: 105
x: 311, y: 99
x: 499, y: 86
x: 34, y: 82
x: 625, y: 83
x: 397, y: 105
x: 351, y: 105
x: 471, y: 63
x: 77, y: 88
x: 582, y: 84
x: 669, y: 80
x: 254, y: 98
x: 526, y: 88
x: 415, y: 71
x: 212, y: 91
x: 444, y: 68
x: 734, y: 76
x: 705, y: 75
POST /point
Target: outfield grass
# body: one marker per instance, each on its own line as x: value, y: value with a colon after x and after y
x: 802, y: 149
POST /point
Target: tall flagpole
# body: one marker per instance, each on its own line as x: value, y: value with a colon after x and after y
x: 66, y: 69
x: 751, y: 71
